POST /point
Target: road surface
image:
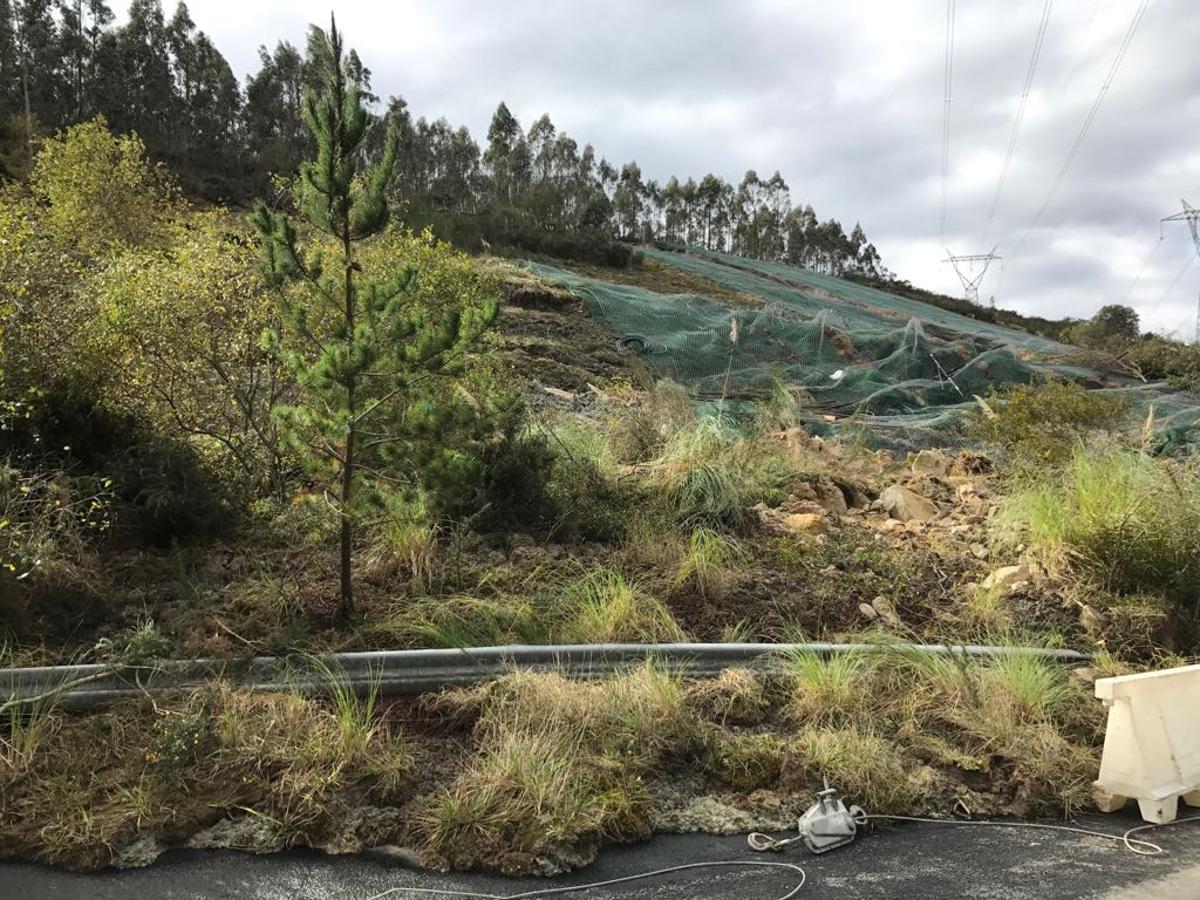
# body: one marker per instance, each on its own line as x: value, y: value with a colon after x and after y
x: 929, y: 862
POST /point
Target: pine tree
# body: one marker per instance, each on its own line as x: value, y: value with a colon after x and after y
x: 355, y: 345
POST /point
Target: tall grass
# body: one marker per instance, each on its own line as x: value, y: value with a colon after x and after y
x: 355, y: 714
x: 23, y: 730
x: 709, y: 563
x: 604, y: 606
x: 825, y: 689
x: 559, y: 763
x: 1127, y: 520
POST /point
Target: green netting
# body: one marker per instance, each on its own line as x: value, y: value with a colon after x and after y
x: 899, y: 371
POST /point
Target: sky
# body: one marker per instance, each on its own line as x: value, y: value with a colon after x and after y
x: 847, y: 100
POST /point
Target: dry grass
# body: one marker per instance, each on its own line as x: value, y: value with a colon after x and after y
x: 95, y: 783
x: 866, y: 768
x: 559, y: 764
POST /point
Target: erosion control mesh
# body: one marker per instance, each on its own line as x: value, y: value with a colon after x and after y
x: 900, y: 371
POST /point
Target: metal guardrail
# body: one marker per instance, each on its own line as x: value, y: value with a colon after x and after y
x: 406, y: 672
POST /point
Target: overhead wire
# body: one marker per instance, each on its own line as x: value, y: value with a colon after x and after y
x: 948, y: 82
x: 1088, y: 120
x: 1170, y: 287
x: 1038, y: 42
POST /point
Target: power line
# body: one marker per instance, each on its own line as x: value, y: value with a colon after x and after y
x: 1038, y: 42
x: 1089, y: 119
x: 1170, y: 287
x: 1145, y: 265
x: 949, y: 85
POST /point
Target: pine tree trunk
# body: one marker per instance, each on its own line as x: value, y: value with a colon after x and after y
x: 346, y: 606
x: 346, y: 603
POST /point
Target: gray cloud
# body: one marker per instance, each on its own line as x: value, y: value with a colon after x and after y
x: 846, y: 100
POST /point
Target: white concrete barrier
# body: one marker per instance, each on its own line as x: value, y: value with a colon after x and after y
x: 1152, y: 742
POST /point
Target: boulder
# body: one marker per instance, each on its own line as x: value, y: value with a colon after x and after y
x: 806, y: 523
x: 908, y: 506
x: 1005, y: 578
x: 931, y: 462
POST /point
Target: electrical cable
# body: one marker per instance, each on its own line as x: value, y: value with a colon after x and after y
x: 1171, y: 286
x: 1081, y: 136
x: 1145, y: 265
x: 948, y: 77
x: 1131, y: 843
x: 762, y: 843
x: 1038, y: 42
x: 641, y: 876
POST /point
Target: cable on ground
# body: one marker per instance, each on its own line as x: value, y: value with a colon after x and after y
x: 575, y: 888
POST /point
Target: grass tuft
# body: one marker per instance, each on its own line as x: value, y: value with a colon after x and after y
x: 604, y: 606
x: 710, y: 563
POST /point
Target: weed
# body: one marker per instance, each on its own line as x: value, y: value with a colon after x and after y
x: 827, y: 689
x: 709, y: 564
x: 736, y: 696
x: 464, y: 621
x: 1129, y: 521
x: 25, y: 728
x: 139, y: 644
x: 746, y: 762
x: 604, y: 606
x: 866, y: 769
x: 559, y: 766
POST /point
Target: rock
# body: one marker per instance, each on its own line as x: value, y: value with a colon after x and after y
x: 141, y: 852
x: 979, y: 551
x: 806, y: 523
x: 830, y: 496
x: 931, y: 462
x: 883, y: 606
x: 868, y: 610
x: 906, y: 505
x: 1084, y: 675
x: 971, y: 495
x: 1092, y: 620
x: 1005, y: 578
x: 890, y: 525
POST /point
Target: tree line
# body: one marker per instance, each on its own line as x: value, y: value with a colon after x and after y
x: 65, y: 61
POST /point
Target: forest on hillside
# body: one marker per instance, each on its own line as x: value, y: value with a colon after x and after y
x: 63, y: 62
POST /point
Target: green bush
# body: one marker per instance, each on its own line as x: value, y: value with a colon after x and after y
x: 1042, y: 423
x: 162, y: 491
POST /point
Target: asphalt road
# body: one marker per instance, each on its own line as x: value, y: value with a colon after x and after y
x: 903, y: 861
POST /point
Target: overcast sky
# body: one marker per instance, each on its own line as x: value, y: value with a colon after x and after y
x: 846, y: 99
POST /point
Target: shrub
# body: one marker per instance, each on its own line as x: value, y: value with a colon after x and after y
x: 1043, y: 423
x: 100, y: 189
x: 161, y: 489
x: 184, y: 323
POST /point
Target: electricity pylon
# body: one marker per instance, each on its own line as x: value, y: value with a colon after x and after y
x: 965, y: 268
x: 1191, y: 215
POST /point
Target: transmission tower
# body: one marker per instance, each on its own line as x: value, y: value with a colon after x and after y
x: 970, y: 270
x: 1191, y: 215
